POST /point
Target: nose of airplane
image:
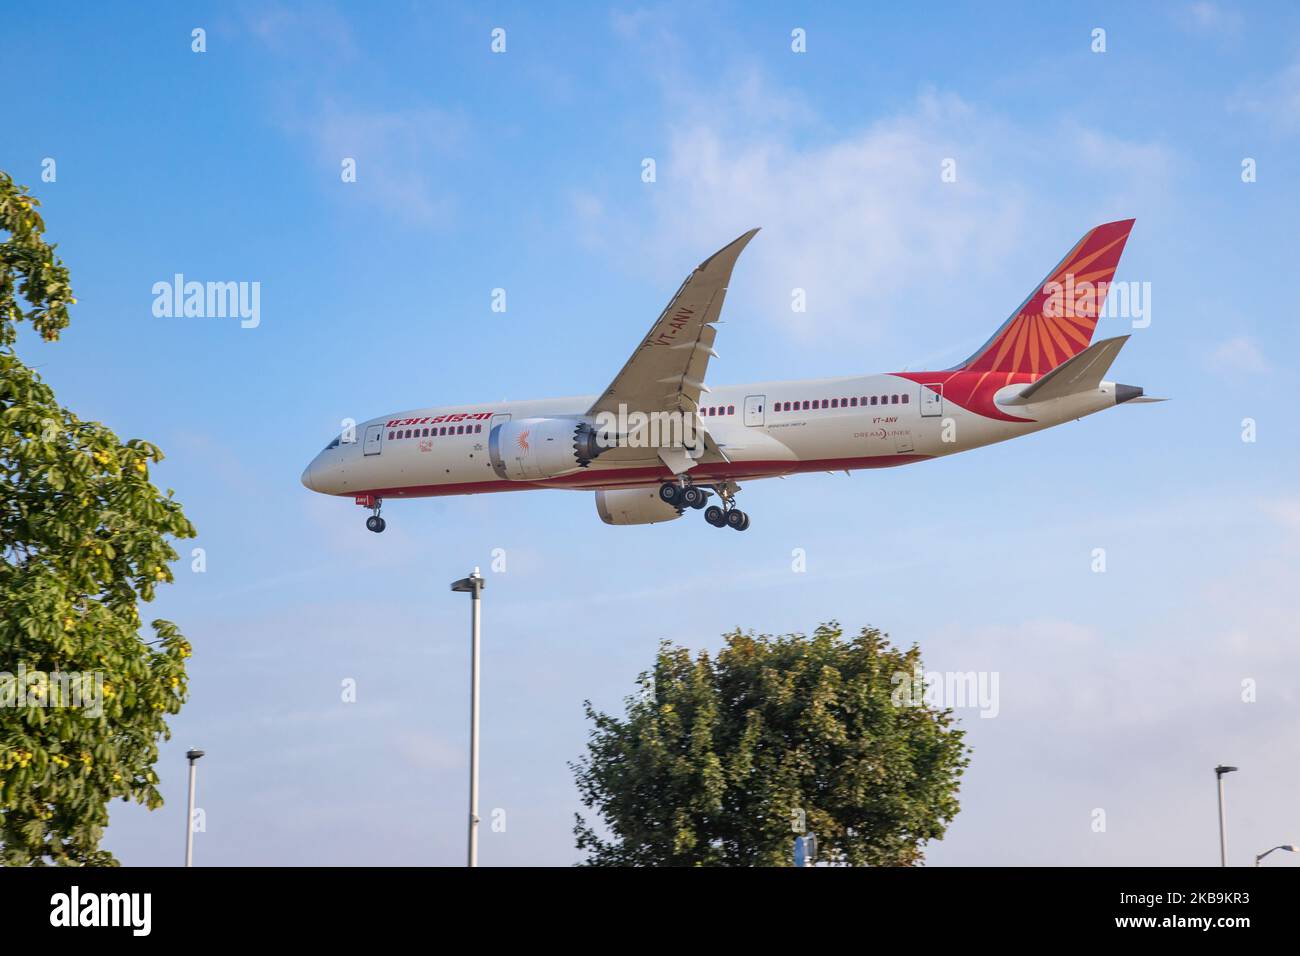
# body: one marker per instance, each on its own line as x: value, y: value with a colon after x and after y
x: 306, y: 477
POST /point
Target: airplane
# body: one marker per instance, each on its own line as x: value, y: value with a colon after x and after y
x: 658, y: 441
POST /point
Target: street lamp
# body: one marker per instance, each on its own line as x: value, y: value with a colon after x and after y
x: 192, y: 756
x: 473, y: 586
x: 1289, y: 847
x: 1219, y: 771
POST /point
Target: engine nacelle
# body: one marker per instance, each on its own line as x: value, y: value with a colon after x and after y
x: 533, y: 449
x: 634, y: 506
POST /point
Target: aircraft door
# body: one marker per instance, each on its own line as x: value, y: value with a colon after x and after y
x: 754, y: 409
x: 932, y: 400
x: 374, y: 439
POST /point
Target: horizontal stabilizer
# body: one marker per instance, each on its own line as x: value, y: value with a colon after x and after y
x: 1082, y: 373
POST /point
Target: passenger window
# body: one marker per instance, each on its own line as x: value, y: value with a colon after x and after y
x: 835, y: 403
x: 893, y: 400
x: 873, y: 399
x: 390, y: 436
x: 854, y: 402
x: 904, y: 398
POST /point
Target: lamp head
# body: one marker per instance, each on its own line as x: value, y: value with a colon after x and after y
x: 470, y: 585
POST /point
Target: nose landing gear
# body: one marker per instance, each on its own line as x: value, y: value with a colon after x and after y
x: 374, y: 522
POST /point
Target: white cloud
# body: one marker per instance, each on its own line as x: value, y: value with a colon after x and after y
x: 1286, y: 512
x: 1276, y: 99
x: 861, y: 219
x: 288, y: 29
x: 395, y: 152
x: 1209, y: 18
x: 429, y: 752
x: 1128, y: 724
x: 400, y: 154
x: 1239, y: 355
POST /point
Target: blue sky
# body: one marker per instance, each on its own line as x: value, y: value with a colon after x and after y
x: 522, y: 171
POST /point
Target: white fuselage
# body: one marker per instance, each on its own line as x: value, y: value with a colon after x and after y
x: 829, y: 425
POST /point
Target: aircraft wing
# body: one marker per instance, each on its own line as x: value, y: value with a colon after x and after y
x: 666, y: 372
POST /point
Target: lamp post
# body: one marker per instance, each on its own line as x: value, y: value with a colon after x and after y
x: 473, y: 586
x: 1289, y: 847
x: 1219, y: 771
x: 192, y: 756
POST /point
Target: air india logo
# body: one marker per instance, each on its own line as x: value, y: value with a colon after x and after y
x: 522, y: 441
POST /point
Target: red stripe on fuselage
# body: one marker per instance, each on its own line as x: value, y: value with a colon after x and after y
x: 973, y: 391
x: 626, y: 477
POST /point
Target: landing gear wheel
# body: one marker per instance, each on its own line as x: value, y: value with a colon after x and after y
x: 376, y: 524
x: 693, y: 497
x: 670, y: 494
x: 737, y: 519
x: 715, y: 516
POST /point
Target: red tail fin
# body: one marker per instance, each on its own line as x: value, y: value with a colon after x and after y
x: 1056, y: 322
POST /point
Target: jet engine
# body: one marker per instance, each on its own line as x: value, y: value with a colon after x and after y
x: 532, y: 449
x: 634, y: 506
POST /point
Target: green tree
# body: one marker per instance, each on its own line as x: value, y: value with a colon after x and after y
x: 723, y: 762
x: 84, y: 537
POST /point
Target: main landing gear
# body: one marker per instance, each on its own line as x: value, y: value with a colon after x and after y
x: 374, y: 522
x: 684, y: 495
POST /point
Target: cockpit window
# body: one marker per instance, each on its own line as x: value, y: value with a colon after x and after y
x: 334, y: 443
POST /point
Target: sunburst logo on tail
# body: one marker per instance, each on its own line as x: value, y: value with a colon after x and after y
x: 522, y: 442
